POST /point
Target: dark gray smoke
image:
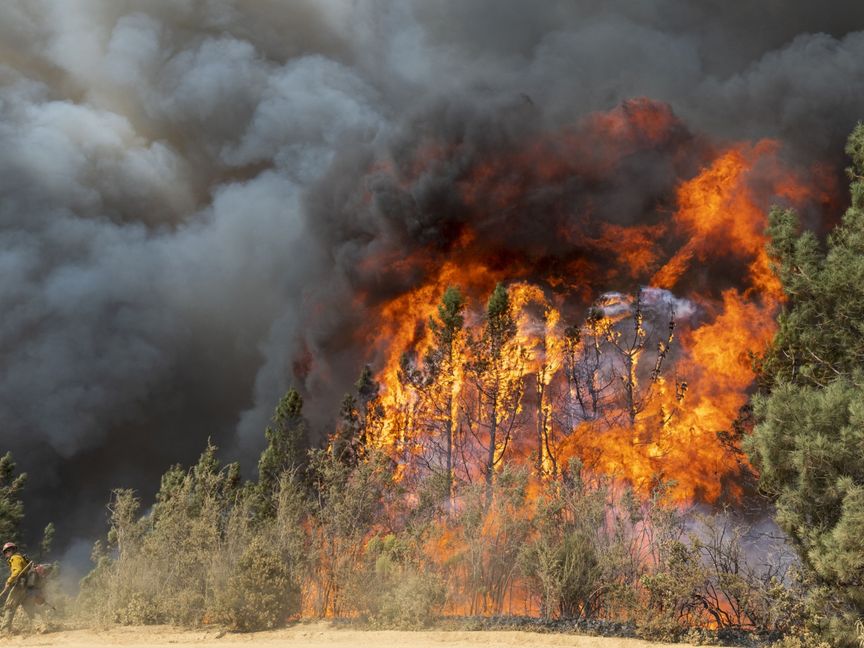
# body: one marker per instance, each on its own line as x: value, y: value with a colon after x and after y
x: 181, y: 229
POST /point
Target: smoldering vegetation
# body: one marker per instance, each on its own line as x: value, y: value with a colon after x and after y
x: 340, y: 541
x: 482, y: 515
x: 170, y: 257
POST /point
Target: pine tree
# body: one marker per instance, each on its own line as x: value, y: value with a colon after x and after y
x: 442, y: 366
x: 496, y: 370
x: 368, y: 406
x: 809, y: 441
x: 344, y: 445
x: 550, y: 358
x: 360, y: 416
x: 286, y: 437
x: 187, y: 491
x: 11, y: 506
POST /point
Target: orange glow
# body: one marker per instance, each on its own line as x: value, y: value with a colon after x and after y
x: 718, y: 214
x: 625, y: 350
x: 664, y: 400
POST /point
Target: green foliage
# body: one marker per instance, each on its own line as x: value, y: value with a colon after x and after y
x: 394, y: 589
x: 351, y: 543
x: 284, y: 452
x: 346, y: 508
x: 359, y: 414
x: 809, y: 451
x: 500, y: 322
x: 11, y: 506
x: 808, y: 443
x: 563, y: 561
x: 450, y: 317
x: 820, y: 330
x: 366, y: 386
x: 445, y: 329
x: 261, y: 589
x: 47, y: 540
x: 413, y: 600
x: 200, y: 556
x: 345, y: 444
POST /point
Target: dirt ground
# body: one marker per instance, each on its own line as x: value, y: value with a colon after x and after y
x: 313, y: 635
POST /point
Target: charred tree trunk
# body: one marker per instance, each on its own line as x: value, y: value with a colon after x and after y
x: 448, y: 465
x: 490, y: 458
x: 541, y: 424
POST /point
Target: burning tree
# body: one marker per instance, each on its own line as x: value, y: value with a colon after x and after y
x: 548, y: 355
x: 565, y: 454
x: 439, y: 384
x: 582, y: 363
x: 359, y: 420
x: 605, y: 357
x: 495, y: 372
x: 516, y: 382
x: 611, y: 389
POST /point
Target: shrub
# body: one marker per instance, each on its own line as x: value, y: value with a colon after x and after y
x: 261, y: 591
x: 412, y: 600
x: 562, y: 562
x: 492, y: 526
x: 393, y: 589
x: 200, y: 556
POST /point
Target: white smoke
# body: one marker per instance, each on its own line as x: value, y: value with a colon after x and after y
x: 658, y: 302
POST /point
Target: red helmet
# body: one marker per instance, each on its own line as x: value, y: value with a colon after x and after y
x: 8, y: 546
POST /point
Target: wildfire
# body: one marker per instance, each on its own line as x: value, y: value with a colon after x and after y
x: 719, y: 216
x: 636, y: 385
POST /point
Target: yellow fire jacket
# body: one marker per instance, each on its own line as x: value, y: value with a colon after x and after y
x: 17, y: 563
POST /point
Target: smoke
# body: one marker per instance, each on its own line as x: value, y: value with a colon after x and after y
x: 184, y: 231
x: 656, y: 302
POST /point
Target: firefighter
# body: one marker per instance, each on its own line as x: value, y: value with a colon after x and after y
x: 16, y: 591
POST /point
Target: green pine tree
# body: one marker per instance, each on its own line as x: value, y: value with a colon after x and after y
x: 496, y: 372
x: 11, y: 506
x: 368, y: 408
x: 809, y: 441
x: 441, y: 367
x: 344, y: 443
x: 286, y: 437
x: 360, y: 414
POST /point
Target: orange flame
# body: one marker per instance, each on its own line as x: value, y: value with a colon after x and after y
x: 718, y: 220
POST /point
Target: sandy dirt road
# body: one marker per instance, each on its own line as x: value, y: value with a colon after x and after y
x: 314, y: 635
